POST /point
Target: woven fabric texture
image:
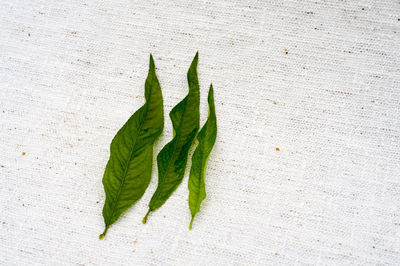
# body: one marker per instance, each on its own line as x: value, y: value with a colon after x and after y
x: 306, y: 167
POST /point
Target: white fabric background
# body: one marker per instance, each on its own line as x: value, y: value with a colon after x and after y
x: 72, y: 72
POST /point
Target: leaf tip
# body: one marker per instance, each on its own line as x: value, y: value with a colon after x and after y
x: 211, y: 95
x: 195, y: 60
x: 151, y: 61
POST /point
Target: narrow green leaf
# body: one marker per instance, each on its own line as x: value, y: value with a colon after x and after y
x: 128, y: 171
x: 206, y: 138
x: 172, y: 158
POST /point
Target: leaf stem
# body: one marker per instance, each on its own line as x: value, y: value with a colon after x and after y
x: 145, y: 217
x: 191, y: 222
x: 104, y: 233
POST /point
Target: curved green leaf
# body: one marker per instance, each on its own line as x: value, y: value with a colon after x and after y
x: 128, y: 171
x: 206, y: 138
x: 172, y: 158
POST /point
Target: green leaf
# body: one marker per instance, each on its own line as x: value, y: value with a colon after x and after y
x: 128, y: 171
x: 172, y: 158
x: 206, y: 138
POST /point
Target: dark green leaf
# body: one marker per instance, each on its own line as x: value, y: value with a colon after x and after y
x: 206, y: 138
x: 172, y: 158
x: 128, y: 171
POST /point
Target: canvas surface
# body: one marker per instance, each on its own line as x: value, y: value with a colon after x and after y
x: 320, y: 80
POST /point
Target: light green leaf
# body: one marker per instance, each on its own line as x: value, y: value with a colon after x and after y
x: 128, y: 171
x: 172, y: 158
x: 206, y: 138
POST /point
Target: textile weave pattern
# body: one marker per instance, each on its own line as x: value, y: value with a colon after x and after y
x: 306, y: 165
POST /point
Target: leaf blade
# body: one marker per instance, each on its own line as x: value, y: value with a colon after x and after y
x: 206, y: 139
x: 172, y: 159
x: 128, y: 170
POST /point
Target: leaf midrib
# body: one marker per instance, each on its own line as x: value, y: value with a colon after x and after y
x: 129, y: 161
x: 175, y: 148
x: 204, y: 156
x: 199, y: 184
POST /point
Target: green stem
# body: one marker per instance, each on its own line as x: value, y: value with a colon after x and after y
x: 191, y: 222
x: 104, y: 233
x: 145, y: 217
